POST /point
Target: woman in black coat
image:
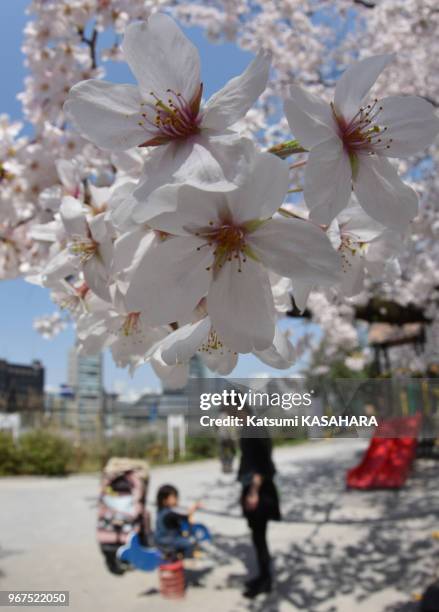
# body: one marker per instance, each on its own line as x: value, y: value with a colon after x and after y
x: 259, y: 501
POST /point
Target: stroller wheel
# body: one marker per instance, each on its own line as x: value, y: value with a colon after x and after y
x: 113, y: 564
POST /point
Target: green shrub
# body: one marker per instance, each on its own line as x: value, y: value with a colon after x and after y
x: 142, y: 446
x: 201, y: 448
x: 135, y: 447
x: 157, y: 453
x: 43, y: 452
x: 88, y: 457
x: 10, y: 462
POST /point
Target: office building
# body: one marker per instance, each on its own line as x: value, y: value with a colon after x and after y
x: 85, y: 381
x: 21, y: 387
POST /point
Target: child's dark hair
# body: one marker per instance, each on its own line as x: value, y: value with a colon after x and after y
x: 163, y: 493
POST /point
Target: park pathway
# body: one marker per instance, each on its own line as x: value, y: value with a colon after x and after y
x: 336, y: 551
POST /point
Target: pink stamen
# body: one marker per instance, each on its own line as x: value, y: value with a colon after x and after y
x: 363, y: 132
x: 175, y: 118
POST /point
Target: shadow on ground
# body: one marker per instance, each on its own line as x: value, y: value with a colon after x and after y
x: 383, y: 549
x: 4, y: 554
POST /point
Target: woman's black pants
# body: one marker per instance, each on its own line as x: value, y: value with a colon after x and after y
x: 258, y: 527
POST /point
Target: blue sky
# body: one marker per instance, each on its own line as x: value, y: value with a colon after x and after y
x: 21, y: 302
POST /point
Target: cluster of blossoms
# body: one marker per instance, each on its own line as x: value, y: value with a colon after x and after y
x: 163, y: 228
x: 189, y: 257
x: 326, y: 37
x: 49, y: 326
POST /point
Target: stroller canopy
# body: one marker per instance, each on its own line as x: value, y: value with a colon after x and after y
x: 120, y: 465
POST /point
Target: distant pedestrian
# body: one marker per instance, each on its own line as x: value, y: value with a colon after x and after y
x: 227, y: 449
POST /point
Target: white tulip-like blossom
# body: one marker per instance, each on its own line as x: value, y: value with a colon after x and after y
x: 166, y: 226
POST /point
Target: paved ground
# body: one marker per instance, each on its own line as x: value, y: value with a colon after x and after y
x: 336, y: 551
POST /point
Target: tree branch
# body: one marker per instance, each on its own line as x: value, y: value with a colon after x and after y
x: 91, y: 44
x: 378, y: 310
x: 431, y: 100
x: 366, y: 3
x: 16, y: 226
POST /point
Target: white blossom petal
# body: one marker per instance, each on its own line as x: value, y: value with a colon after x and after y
x: 301, y: 290
x: 44, y: 232
x: 69, y: 176
x: 217, y: 162
x: 310, y: 118
x: 264, y: 191
x: 193, y: 209
x: 328, y: 177
x: 232, y: 102
x: 411, y: 122
x: 383, y: 195
x: 50, y: 198
x: 353, y: 273
x: 157, y: 176
x: 296, y: 249
x: 73, y: 217
x: 172, y: 377
x: 122, y: 205
x: 170, y: 280
x: 97, y: 278
x: 92, y: 333
x: 183, y: 343
x: 100, y: 196
x: 107, y: 114
x: 356, y: 224
x: 280, y: 354
x: 382, y: 251
x: 355, y: 83
x: 59, y: 267
x: 208, y: 161
x: 99, y: 229
x: 162, y: 57
x: 221, y: 361
x: 241, y: 308
x: 130, y: 349
x: 130, y: 248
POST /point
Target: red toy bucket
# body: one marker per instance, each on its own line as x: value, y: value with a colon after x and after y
x: 171, y: 577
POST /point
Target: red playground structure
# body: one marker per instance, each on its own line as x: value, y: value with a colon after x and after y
x: 387, y: 462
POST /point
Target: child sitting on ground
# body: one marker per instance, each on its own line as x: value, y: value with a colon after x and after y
x: 171, y: 521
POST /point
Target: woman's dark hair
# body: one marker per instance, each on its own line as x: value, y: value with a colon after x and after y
x: 163, y: 493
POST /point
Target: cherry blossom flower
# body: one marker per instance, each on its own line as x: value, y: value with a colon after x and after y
x: 221, y: 246
x: 90, y: 246
x: 131, y: 340
x: 172, y: 377
x: 38, y: 170
x: 364, y: 245
x: 199, y: 337
x: 70, y: 297
x: 49, y: 326
x: 356, y: 362
x: 350, y: 141
x: 165, y: 109
x: 71, y: 184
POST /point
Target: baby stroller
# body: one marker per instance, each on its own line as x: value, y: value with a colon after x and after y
x: 121, y: 508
